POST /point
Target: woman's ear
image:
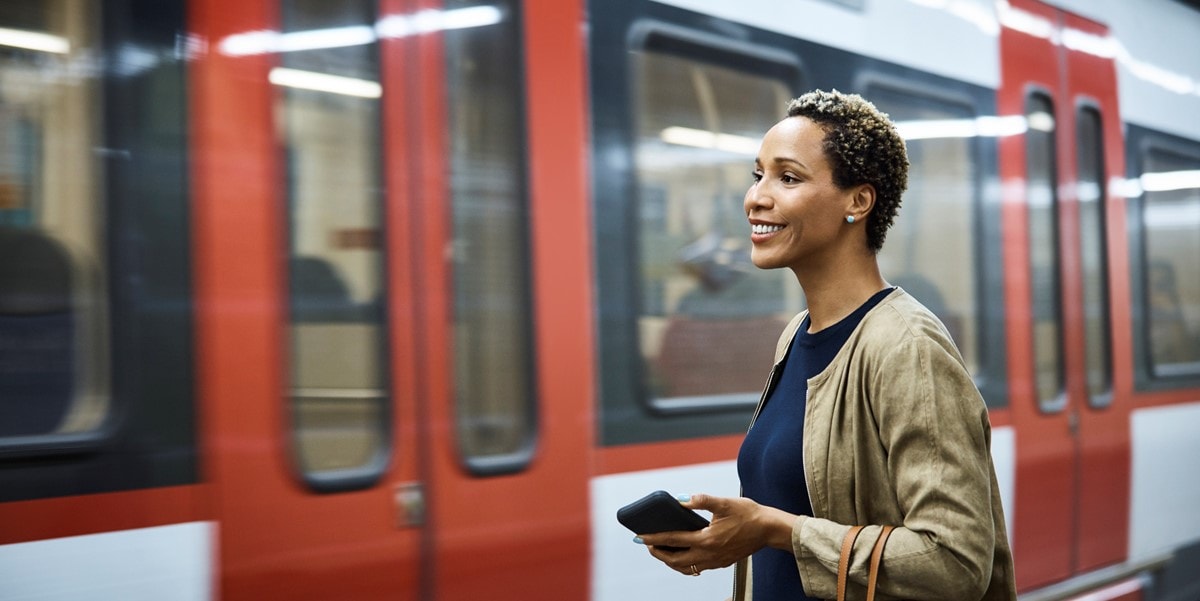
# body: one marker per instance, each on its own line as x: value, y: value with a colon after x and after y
x: 862, y: 201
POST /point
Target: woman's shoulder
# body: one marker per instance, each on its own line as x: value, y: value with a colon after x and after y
x: 901, y: 316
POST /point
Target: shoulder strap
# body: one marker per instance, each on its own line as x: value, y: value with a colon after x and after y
x: 876, y: 558
x: 844, y: 561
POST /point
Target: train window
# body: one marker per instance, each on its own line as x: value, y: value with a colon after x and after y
x: 493, y: 325
x: 1094, y: 253
x: 1171, y: 250
x: 939, y: 270
x: 1042, y: 201
x: 54, y: 268
x: 705, y: 313
x: 338, y: 385
x: 95, y: 280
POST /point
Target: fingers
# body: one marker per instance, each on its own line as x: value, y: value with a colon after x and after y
x: 681, y: 561
x: 716, y: 505
x: 678, y: 540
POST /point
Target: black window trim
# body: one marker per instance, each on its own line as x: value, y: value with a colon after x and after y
x: 1141, y: 142
x: 1058, y: 404
x: 1084, y: 104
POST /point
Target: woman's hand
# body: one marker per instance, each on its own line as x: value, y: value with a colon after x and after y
x: 739, y: 528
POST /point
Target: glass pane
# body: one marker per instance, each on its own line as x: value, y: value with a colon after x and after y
x: 707, y: 317
x: 337, y: 331
x: 1042, y: 200
x: 1094, y: 253
x: 1171, y: 218
x: 54, y: 316
x: 940, y: 270
x: 493, y: 344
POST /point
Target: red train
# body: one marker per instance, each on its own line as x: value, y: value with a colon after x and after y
x: 401, y: 299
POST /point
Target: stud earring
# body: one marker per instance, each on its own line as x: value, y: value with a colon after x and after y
x: 849, y: 218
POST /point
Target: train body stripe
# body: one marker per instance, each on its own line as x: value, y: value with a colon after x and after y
x: 146, y: 564
x: 1165, y: 489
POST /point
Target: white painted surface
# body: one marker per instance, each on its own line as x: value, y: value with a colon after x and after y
x: 623, y: 570
x: 1165, y: 505
x: 1158, y: 59
x: 953, y: 38
x: 1153, y: 42
x: 148, y: 564
x: 1004, y: 458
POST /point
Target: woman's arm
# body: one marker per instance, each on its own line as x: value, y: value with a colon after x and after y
x: 933, y: 427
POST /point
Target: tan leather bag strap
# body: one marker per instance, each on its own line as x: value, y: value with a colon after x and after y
x: 876, y: 558
x: 844, y: 561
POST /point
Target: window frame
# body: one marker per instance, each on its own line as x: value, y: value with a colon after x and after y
x: 521, y: 458
x: 1141, y: 142
x: 151, y: 419
x: 1084, y: 106
x: 1057, y: 403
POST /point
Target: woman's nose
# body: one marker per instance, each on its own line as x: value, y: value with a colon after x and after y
x: 756, y: 197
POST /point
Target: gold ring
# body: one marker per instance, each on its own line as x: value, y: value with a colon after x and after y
x: 695, y: 572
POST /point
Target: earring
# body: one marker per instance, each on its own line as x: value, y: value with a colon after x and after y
x: 849, y: 218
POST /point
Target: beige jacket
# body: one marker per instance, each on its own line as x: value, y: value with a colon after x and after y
x: 896, y: 433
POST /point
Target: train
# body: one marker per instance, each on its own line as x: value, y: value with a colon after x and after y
x: 403, y: 299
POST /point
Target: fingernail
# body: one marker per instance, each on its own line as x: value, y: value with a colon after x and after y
x: 638, y: 540
x: 684, y: 498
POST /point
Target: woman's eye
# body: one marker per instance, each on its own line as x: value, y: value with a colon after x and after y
x: 788, y: 179
x: 757, y: 176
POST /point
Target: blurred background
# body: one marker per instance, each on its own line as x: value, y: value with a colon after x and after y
x: 403, y: 299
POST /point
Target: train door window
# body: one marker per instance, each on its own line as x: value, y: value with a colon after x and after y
x: 495, y: 399
x: 54, y: 311
x: 1042, y: 201
x: 1171, y: 250
x: 329, y: 113
x: 703, y: 310
x: 931, y: 250
x: 1094, y: 253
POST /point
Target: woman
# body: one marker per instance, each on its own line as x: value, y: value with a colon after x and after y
x: 869, y: 416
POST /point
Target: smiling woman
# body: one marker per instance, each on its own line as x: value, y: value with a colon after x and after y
x: 869, y: 415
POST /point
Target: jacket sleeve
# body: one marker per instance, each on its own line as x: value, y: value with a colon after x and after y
x: 933, y: 427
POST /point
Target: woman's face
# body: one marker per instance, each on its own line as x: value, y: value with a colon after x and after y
x: 795, y: 210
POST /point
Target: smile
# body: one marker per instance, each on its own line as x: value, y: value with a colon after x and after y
x: 764, y: 229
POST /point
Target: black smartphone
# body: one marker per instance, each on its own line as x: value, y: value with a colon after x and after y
x: 659, y: 512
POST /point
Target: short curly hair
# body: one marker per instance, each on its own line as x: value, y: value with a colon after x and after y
x: 863, y: 147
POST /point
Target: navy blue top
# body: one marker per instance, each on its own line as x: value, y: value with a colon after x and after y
x: 771, y: 462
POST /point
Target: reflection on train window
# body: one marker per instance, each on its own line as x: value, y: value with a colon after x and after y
x: 930, y: 252
x: 1171, y: 222
x: 54, y: 315
x: 1094, y: 253
x: 1042, y: 202
x: 493, y: 343
x: 706, y: 316
x: 337, y: 373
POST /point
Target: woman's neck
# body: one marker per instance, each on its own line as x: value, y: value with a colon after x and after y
x: 832, y: 294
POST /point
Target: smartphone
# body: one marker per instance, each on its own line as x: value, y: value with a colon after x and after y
x: 659, y: 512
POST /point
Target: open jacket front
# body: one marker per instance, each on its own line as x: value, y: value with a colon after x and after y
x: 896, y: 433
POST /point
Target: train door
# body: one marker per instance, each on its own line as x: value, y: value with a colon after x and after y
x: 305, y: 328
x: 502, y: 259
x: 1071, y: 415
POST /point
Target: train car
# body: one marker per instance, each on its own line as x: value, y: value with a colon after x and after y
x: 402, y: 299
